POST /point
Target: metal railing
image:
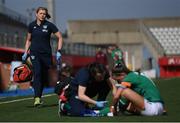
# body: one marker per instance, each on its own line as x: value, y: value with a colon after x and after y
x: 153, y: 44
x: 17, y: 41
x: 70, y: 48
x: 12, y: 40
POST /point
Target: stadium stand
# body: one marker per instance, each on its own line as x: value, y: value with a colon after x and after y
x: 13, y: 28
x: 146, y: 41
x: 169, y: 38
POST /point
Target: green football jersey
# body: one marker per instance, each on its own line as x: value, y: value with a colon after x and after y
x: 117, y: 55
x: 143, y: 86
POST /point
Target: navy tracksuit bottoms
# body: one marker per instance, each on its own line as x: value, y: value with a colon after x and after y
x: 41, y: 63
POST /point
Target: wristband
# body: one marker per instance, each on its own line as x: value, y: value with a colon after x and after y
x: 120, y: 86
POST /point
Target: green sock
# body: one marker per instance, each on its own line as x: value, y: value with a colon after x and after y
x: 104, y: 111
x: 123, y: 101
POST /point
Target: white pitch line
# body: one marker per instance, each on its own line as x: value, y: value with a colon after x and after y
x: 18, y: 100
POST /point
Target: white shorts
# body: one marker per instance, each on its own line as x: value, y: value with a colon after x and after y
x: 152, y: 108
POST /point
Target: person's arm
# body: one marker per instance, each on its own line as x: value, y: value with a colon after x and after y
x: 28, y: 43
x: 83, y: 97
x: 60, y: 40
x: 117, y: 96
x: 115, y: 100
x: 111, y: 83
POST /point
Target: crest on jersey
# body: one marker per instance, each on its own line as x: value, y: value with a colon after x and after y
x: 45, y: 26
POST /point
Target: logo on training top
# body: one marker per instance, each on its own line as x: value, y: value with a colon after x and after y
x: 32, y: 57
x: 44, y: 28
x: 34, y: 27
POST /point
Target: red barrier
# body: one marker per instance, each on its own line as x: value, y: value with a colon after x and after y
x: 8, y: 54
x: 77, y: 61
x: 169, y: 67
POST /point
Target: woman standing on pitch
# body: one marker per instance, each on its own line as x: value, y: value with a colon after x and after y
x: 38, y: 47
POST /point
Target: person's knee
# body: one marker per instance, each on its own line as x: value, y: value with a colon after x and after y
x: 116, y: 97
x: 125, y: 92
x: 135, y: 98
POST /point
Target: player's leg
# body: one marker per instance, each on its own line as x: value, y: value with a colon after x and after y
x: 141, y: 105
x: 46, y: 62
x: 77, y: 106
x: 136, y: 99
x: 152, y: 108
x: 37, y: 85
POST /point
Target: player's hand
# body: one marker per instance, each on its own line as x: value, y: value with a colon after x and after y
x: 24, y: 57
x: 101, y: 104
x: 58, y: 55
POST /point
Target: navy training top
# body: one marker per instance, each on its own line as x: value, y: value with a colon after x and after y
x: 84, y: 79
x: 40, y: 36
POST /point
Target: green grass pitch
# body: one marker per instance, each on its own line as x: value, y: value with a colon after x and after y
x: 23, y: 111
